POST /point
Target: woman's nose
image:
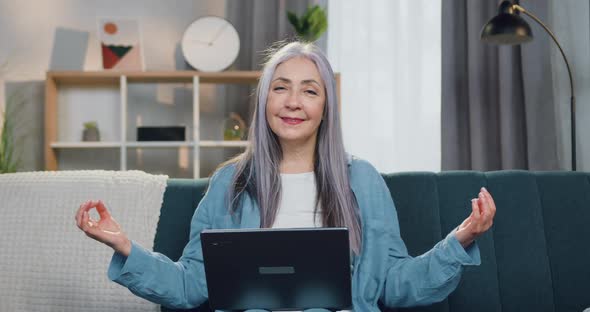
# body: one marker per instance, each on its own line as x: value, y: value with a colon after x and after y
x: 293, y: 102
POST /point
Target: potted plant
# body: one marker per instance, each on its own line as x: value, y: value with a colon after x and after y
x: 90, y: 133
x: 311, y: 25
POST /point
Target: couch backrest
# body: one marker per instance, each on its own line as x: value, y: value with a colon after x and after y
x: 535, y: 258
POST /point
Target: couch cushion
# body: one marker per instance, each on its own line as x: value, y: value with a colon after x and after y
x: 180, y: 202
x: 416, y: 199
x: 565, y: 198
x: 519, y: 238
x: 478, y: 289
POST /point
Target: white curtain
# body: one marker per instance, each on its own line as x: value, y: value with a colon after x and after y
x: 389, y: 56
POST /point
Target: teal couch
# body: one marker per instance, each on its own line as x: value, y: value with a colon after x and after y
x: 535, y: 258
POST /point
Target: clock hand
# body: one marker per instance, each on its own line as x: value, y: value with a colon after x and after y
x: 218, y: 33
x: 201, y: 42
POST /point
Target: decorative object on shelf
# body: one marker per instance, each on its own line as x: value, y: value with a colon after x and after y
x: 210, y: 44
x: 234, y: 128
x: 69, y: 49
x: 173, y: 133
x: 120, y: 44
x: 90, y: 133
x: 311, y: 25
x: 509, y: 28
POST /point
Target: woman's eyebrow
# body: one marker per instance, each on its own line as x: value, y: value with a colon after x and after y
x: 310, y: 81
x: 283, y: 79
x: 306, y: 81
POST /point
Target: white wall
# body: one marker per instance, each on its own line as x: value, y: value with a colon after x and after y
x: 27, y: 29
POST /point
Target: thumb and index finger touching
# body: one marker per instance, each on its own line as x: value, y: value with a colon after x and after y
x: 483, y: 210
x: 102, y: 210
x: 82, y: 215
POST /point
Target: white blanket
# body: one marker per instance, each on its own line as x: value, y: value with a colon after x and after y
x: 46, y: 262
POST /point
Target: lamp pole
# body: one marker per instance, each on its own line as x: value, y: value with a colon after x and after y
x: 569, y: 72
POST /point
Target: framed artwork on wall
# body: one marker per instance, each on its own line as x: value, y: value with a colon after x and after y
x: 120, y: 41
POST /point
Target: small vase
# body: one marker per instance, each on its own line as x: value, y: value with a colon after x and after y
x: 90, y: 135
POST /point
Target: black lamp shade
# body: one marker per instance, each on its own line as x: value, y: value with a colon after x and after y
x: 506, y: 28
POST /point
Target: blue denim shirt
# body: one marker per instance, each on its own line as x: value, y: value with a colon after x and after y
x: 383, y: 271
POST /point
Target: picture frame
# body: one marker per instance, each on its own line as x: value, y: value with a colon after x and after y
x: 120, y: 43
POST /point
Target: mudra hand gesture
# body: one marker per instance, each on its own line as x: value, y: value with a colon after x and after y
x: 480, y: 220
x: 105, y: 230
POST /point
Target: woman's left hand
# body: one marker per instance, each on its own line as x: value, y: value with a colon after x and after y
x: 480, y: 220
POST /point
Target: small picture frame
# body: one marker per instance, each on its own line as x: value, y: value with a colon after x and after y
x: 120, y: 42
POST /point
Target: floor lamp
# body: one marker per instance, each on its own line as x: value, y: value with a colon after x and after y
x: 509, y: 28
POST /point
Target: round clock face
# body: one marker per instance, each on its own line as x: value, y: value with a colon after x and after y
x: 210, y: 43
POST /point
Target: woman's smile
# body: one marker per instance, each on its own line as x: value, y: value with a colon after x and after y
x: 292, y: 121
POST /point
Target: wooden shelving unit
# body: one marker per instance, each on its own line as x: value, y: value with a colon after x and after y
x: 120, y: 80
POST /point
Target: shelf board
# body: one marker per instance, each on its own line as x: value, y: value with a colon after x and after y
x: 85, y: 144
x: 173, y: 76
x: 223, y: 143
x: 162, y: 144
x: 150, y: 144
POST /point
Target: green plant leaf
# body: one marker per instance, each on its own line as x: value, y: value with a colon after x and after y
x: 90, y: 125
x: 310, y: 11
x: 311, y: 25
x: 9, y: 158
x: 318, y: 24
x: 294, y: 20
x: 305, y: 28
x: 7, y: 164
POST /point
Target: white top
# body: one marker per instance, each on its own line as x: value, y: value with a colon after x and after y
x: 296, y: 208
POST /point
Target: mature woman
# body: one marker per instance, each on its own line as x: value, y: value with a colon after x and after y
x: 296, y: 173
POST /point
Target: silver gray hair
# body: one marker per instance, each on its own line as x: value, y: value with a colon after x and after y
x: 257, y: 169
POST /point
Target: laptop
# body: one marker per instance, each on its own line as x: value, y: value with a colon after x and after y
x: 277, y: 269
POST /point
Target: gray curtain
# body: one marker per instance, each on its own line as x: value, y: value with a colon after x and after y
x: 497, y: 102
x: 570, y: 21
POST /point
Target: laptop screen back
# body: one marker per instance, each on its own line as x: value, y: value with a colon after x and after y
x: 277, y: 269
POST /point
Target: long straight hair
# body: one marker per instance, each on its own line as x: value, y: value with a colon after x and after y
x: 257, y: 169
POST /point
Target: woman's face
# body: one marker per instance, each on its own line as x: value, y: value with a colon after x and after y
x: 296, y: 100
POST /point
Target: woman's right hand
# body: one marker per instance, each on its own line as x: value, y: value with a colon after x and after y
x: 105, y: 230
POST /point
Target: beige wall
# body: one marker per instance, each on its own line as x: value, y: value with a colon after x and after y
x: 27, y: 29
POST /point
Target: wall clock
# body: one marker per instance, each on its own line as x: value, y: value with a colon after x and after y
x: 210, y: 44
